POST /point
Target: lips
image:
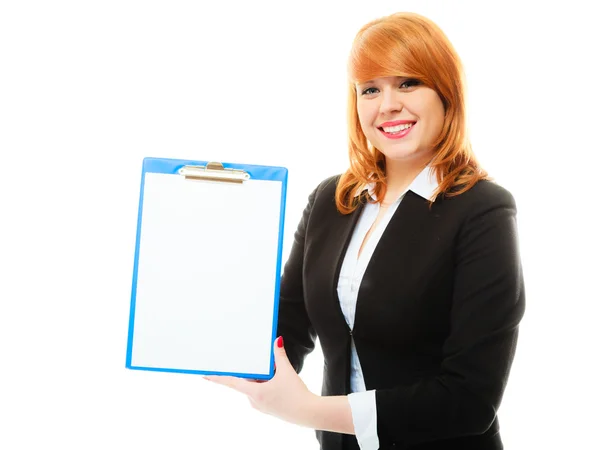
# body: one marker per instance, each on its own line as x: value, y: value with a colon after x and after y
x: 394, y: 123
x: 399, y: 134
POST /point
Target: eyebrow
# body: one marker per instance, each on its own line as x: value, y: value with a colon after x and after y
x: 372, y: 81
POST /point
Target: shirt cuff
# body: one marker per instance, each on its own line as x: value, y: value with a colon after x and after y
x: 364, y: 417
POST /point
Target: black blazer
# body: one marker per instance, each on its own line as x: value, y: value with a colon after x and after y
x: 436, y: 318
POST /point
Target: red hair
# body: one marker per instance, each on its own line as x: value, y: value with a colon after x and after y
x: 409, y: 45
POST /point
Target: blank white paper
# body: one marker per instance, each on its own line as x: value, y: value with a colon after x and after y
x: 207, y: 269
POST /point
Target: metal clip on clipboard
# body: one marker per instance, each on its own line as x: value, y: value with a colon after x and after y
x: 214, y: 171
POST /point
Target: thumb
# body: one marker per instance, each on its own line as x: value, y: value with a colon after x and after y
x: 279, y: 352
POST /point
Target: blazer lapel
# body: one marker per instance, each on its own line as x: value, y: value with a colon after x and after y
x: 395, y: 253
x: 345, y: 225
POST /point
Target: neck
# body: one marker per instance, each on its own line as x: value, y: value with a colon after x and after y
x: 400, y: 174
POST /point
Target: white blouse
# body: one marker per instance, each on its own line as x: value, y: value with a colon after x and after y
x: 362, y: 402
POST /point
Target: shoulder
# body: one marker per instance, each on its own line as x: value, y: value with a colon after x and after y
x: 325, y: 190
x: 480, y: 216
x: 328, y: 185
x: 484, y: 196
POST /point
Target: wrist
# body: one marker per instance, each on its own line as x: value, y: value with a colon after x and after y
x: 331, y: 413
x: 309, y: 410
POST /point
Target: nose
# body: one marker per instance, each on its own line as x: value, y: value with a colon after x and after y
x: 391, y: 102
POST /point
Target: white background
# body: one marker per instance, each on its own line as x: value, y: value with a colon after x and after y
x: 88, y: 88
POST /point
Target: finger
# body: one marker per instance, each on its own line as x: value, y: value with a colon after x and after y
x: 281, y: 358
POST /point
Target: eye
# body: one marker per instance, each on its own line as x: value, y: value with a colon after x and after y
x: 410, y: 82
x: 369, y: 91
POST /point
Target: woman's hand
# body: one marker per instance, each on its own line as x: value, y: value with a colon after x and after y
x: 284, y: 396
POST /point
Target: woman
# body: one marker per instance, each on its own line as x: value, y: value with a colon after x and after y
x: 406, y: 266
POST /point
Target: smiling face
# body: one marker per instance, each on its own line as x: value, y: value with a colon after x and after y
x: 400, y: 117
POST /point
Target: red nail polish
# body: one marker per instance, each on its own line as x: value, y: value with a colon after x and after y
x: 280, y: 342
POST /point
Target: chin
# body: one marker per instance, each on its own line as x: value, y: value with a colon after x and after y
x: 399, y: 155
x: 409, y: 156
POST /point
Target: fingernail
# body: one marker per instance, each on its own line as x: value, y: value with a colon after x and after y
x: 280, y: 342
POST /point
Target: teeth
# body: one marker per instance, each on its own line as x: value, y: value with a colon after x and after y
x: 397, y: 128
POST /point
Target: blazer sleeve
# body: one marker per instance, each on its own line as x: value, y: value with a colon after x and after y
x: 293, y: 322
x: 487, y: 305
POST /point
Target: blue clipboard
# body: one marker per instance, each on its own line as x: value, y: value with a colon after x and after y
x: 207, y: 267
